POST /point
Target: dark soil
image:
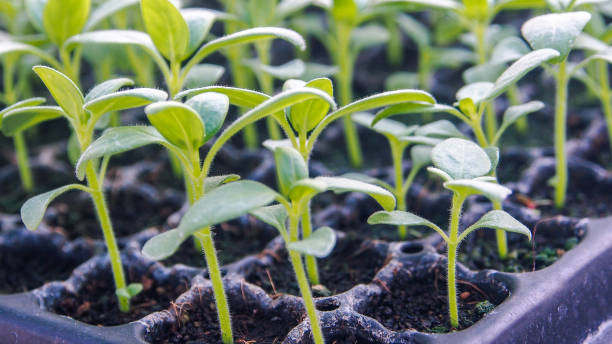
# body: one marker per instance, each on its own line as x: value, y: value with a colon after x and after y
x: 352, y: 262
x: 578, y: 203
x: 199, y: 324
x: 421, y: 303
x: 481, y: 251
x: 96, y: 302
x: 233, y: 240
x: 31, y: 269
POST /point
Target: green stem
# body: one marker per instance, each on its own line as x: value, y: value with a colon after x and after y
x: 480, y: 135
x: 97, y: 196
x: 311, y: 261
x: 560, y: 134
x: 22, y: 162
x: 266, y: 82
x: 300, y: 274
x: 214, y: 272
x: 606, y: 99
x: 344, y: 61
x: 502, y: 240
x: 397, y: 152
x: 481, y: 51
x: 452, y: 255
x: 515, y: 99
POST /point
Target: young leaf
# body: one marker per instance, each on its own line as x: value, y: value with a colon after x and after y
x: 212, y: 108
x: 130, y: 291
x: 118, y: 140
x: 10, y: 47
x: 339, y: 184
x: 403, y: 218
x: 438, y: 172
x: 107, y: 87
x: 492, y: 191
x: 199, y: 21
x: 420, y: 155
x: 274, y: 215
x: 367, y: 179
x: 65, y: 18
x: 519, y: 68
x: 290, y: 167
x: 203, y: 75
x: 66, y: 94
x: 211, y: 183
x: 105, y: 10
x: 497, y: 219
x: 416, y: 108
x: 461, y: 159
x: 441, y: 128
x: 319, y: 244
x: 477, y: 91
x: 33, y: 210
x: 493, y: 154
x: 513, y: 113
x: 385, y: 126
x: 35, y: 10
x: 125, y: 100
x: 24, y: 103
x: 556, y: 31
x: 178, y: 123
x: 364, y: 37
x: 509, y: 49
x: 306, y: 189
x: 166, y: 27
x: 22, y: 118
x: 306, y: 115
x: 291, y: 69
x: 237, y: 96
x: 219, y: 205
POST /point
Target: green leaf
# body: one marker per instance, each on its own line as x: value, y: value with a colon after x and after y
x: 290, y: 168
x: 509, y: 49
x: 105, y: 10
x: 211, y: 183
x: 217, y: 206
x: 493, y: 154
x: 339, y: 184
x: 367, y: 179
x: 461, y: 159
x: 306, y: 115
x: 212, y: 108
x: 319, y: 244
x: 199, y: 21
x: 33, y: 210
x: 125, y: 100
x: 438, y: 172
x: 367, y: 36
x: 420, y: 155
x: 203, y: 75
x: 493, y: 191
x: 274, y: 215
x: 590, y: 43
x: 497, y: 219
x: 291, y: 69
x: 272, y: 145
x: 519, y: 68
x: 487, y: 72
x: 514, y: 113
x: 178, y: 123
x: 440, y: 128
x: 130, y: 291
x: 22, y: 118
x: 344, y: 10
x: 313, y: 70
x: 65, y: 92
x: 107, y: 87
x: 237, y: 96
x: 63, y: 19
x: 73, y: 148
x: 118, y: 140
x: 434, y: 4
x: 35, y: 10
x: 416, y: 108
x: 555, y: 31
x: 477, y: 92
x: 415, y: 30
x: 119, y: 37
x: 385, y: 127
x: 24, y: 103
x: 403, y: 218
x: 10, y: 47
x: 166, y: 27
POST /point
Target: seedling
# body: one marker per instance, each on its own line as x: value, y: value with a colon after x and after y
x: 464, y: 167
x: 82, y: 114
x: 346, y: 38
x: 297, y: 190
x: 251, y: 14
x: 476, y: 16
x: 558, y: 31
x: 304, y: 122
x: 472, y: 101
x: 183, y: 129
x: 400, y: 137
x: 57, y: 20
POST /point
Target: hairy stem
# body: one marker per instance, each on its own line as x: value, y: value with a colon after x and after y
x: 502, y: 240
x: 515, y: 99
x: 300, y: 274
x: 560, y: 133
x: 311, y: 261
x: 97, y: 196
x: 452, y: 255
x: 397, y: 152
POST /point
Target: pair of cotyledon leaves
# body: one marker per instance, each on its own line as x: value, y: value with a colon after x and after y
x: 464, y: 167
